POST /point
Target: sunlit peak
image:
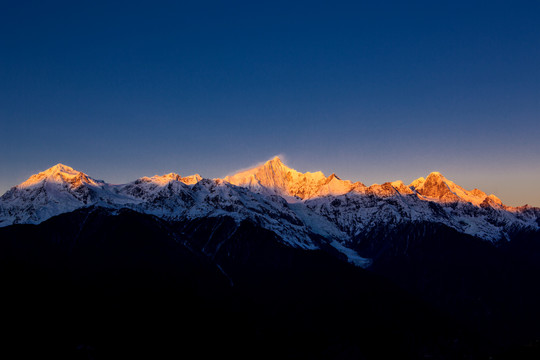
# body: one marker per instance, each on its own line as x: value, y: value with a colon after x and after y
x: 60, y: 168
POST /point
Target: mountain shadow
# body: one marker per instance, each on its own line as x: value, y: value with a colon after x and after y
x: 103, y: 284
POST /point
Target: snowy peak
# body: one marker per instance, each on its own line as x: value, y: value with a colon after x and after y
x: 439, y: 188
x: 275, y: 162
x: 436, y: 186
x: 417, y: 183
x: 276, y: 177
x: 401, y: 187
x: 191, y: 179
x: 272, y: 174
x: 59, y: 168
x: 493, y: 201
x: 56, y: 190
x: 59, y: 174
x: 162, y: 180
x: 333, y: 185
x: 388, y: 189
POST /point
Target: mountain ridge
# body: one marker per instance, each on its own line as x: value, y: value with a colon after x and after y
x: 299, y: 207
x: 274, y: 175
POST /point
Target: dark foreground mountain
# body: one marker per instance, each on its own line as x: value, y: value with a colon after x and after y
x: 101, y: 283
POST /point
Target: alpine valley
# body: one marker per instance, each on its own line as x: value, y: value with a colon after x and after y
x: 268, y: 262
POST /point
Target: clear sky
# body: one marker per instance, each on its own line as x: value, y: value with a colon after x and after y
x: 374, y: 91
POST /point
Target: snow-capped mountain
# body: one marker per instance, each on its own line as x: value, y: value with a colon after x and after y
x: 437, y: 187
x: 274, y: 177
x: 51, y: 192
x: 300, y: 208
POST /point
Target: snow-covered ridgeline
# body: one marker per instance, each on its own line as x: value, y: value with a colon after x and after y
x: 293, y: 205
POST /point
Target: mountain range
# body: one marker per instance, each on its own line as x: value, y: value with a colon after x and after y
x: 299, y: 207
x: 267, y: 262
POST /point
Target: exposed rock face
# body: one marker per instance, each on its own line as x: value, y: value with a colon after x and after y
x: 439, y: 188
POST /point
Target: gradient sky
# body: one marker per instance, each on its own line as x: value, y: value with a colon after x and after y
x: 371, y: 92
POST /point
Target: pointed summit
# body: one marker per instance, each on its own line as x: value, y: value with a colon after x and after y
x: 401, y: 187
x: 417, y: 183
x: 60, y: 168
x: 275, y: 160
x: 276, y: 164
x: 272, y: 175
x: 439, y: 188
x: 59, y: 174
x: 435, y: 176
x: 57, y: 190
x: 275, y: 177
x: 493, y: 201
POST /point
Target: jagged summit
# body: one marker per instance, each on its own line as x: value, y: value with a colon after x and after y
x: 275, y: 160
x: 437, y: 187
x: 416, y: 183
x: 191, y: 179
x: 494, y: 202
x: 276, y: 177
x: 167, y: 178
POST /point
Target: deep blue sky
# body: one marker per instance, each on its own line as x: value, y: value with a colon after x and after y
x: 371, y: 92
